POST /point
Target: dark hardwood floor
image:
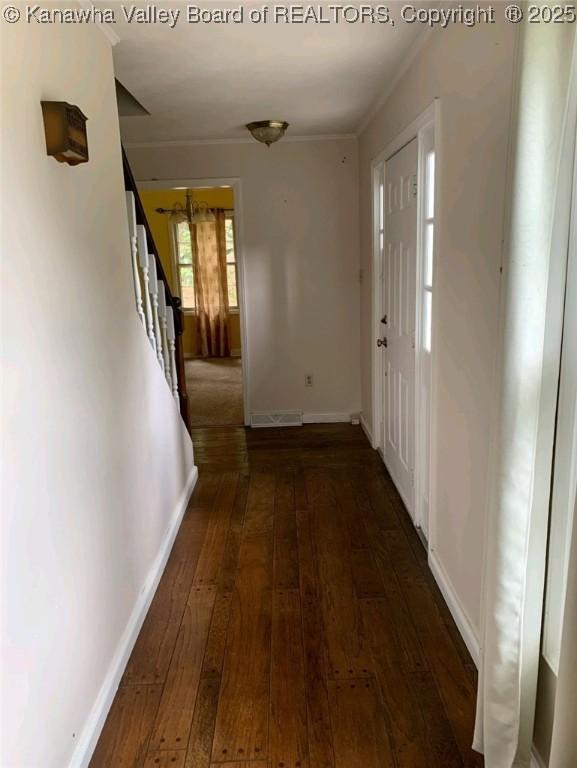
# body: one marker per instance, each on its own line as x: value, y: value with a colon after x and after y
x: 297, y: 624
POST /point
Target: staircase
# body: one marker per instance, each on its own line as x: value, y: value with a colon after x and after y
x: 159, y: 311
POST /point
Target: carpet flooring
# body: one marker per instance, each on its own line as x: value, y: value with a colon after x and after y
x: 214, y: 387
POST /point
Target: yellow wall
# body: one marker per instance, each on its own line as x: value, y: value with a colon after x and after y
x: 159, y: 223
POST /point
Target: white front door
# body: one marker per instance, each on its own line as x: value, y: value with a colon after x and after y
x: 397, y: 330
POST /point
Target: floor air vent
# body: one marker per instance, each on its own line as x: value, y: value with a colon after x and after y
x: 279, y: 419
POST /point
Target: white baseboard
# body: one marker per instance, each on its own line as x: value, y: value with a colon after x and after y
x: 366, y: 429
x: 462, y: 621
x: 97, y: 717
x: 326, y: 418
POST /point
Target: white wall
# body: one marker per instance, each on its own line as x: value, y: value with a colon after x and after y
x: 471, y: 71
x: 301, y: 252
x: 94, y: 455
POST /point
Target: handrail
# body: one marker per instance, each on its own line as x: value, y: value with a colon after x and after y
x: 171, y: 301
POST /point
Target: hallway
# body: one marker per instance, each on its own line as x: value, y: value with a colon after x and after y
x: 297, y: 624
x: 215, y: 391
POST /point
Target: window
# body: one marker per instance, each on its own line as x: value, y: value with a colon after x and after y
x: 230, y: 261
x: 184, y: 272
x: 184, y: 267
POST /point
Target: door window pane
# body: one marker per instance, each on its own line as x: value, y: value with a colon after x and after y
x: 430, y: 186
x: 427, y: 311
x: 429, y: 233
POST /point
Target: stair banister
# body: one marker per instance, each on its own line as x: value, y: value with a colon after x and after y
x: 145, y: 246
x: 131, y: 210
x: 154, y: 300
x: 171, y: 338
x: 144, y: 266
x: 164, y: 339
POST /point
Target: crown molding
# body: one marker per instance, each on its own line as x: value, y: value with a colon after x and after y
x: 106, y: 29
x: 247, y: 140
x: 416, y: 48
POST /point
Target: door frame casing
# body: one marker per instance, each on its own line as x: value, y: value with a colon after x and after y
x: 236, y: 185
x: 428, y: 120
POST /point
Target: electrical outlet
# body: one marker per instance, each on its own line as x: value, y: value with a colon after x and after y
x: 308, y: 379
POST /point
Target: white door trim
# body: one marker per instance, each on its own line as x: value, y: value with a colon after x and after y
x: 430, y: 118
x: 236, y: 184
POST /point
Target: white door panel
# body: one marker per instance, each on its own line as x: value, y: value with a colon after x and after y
x: 398, y: 291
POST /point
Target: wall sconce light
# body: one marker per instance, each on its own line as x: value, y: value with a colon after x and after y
x: 65, y: 131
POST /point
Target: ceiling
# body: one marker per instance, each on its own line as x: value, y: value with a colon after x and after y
x: 205, y: 81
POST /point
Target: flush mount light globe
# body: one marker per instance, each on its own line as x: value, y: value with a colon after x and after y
x: 268, y: 131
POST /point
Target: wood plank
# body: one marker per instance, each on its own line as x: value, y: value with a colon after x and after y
x: 243, y: 712
x: 301, y: 498
x: 359, y: 727
x: 347, y: 648
x: 442, y: 750
x: 286, y: 567
x: 321, y: 754
x: 174, y: 717
x: 216, y: 643
x: 260, y: 503
x: 212, y: 554
x: 125, y: 736
x: 206, y: 489
x: 452, y: 681
x: 288, y: 722
x: 165, y: 758
x: 230, y: 558
x: 406, y: 567
x: 202, y: 730
x: 353, y: 518
x: 153, y: 649
x: 398, y: 633
x: 409, y: 699
x: 366, y: 575
x: 375, y: 491
x: 244, y: 764
x: 341, y: 458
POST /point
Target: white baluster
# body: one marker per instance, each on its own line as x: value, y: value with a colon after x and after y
x: 171, y: 336
x: 143, y: 261
x: 131, y: 209
x: 162, y: 317
x: 154, y: 299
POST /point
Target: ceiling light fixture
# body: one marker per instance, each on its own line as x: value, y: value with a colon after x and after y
x: 268, y: 131
x: 197, y: 212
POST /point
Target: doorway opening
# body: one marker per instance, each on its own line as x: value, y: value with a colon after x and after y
x: 196, y: 226
x: 404, y: 234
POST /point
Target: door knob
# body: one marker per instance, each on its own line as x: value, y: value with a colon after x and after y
x: 382, y: 342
